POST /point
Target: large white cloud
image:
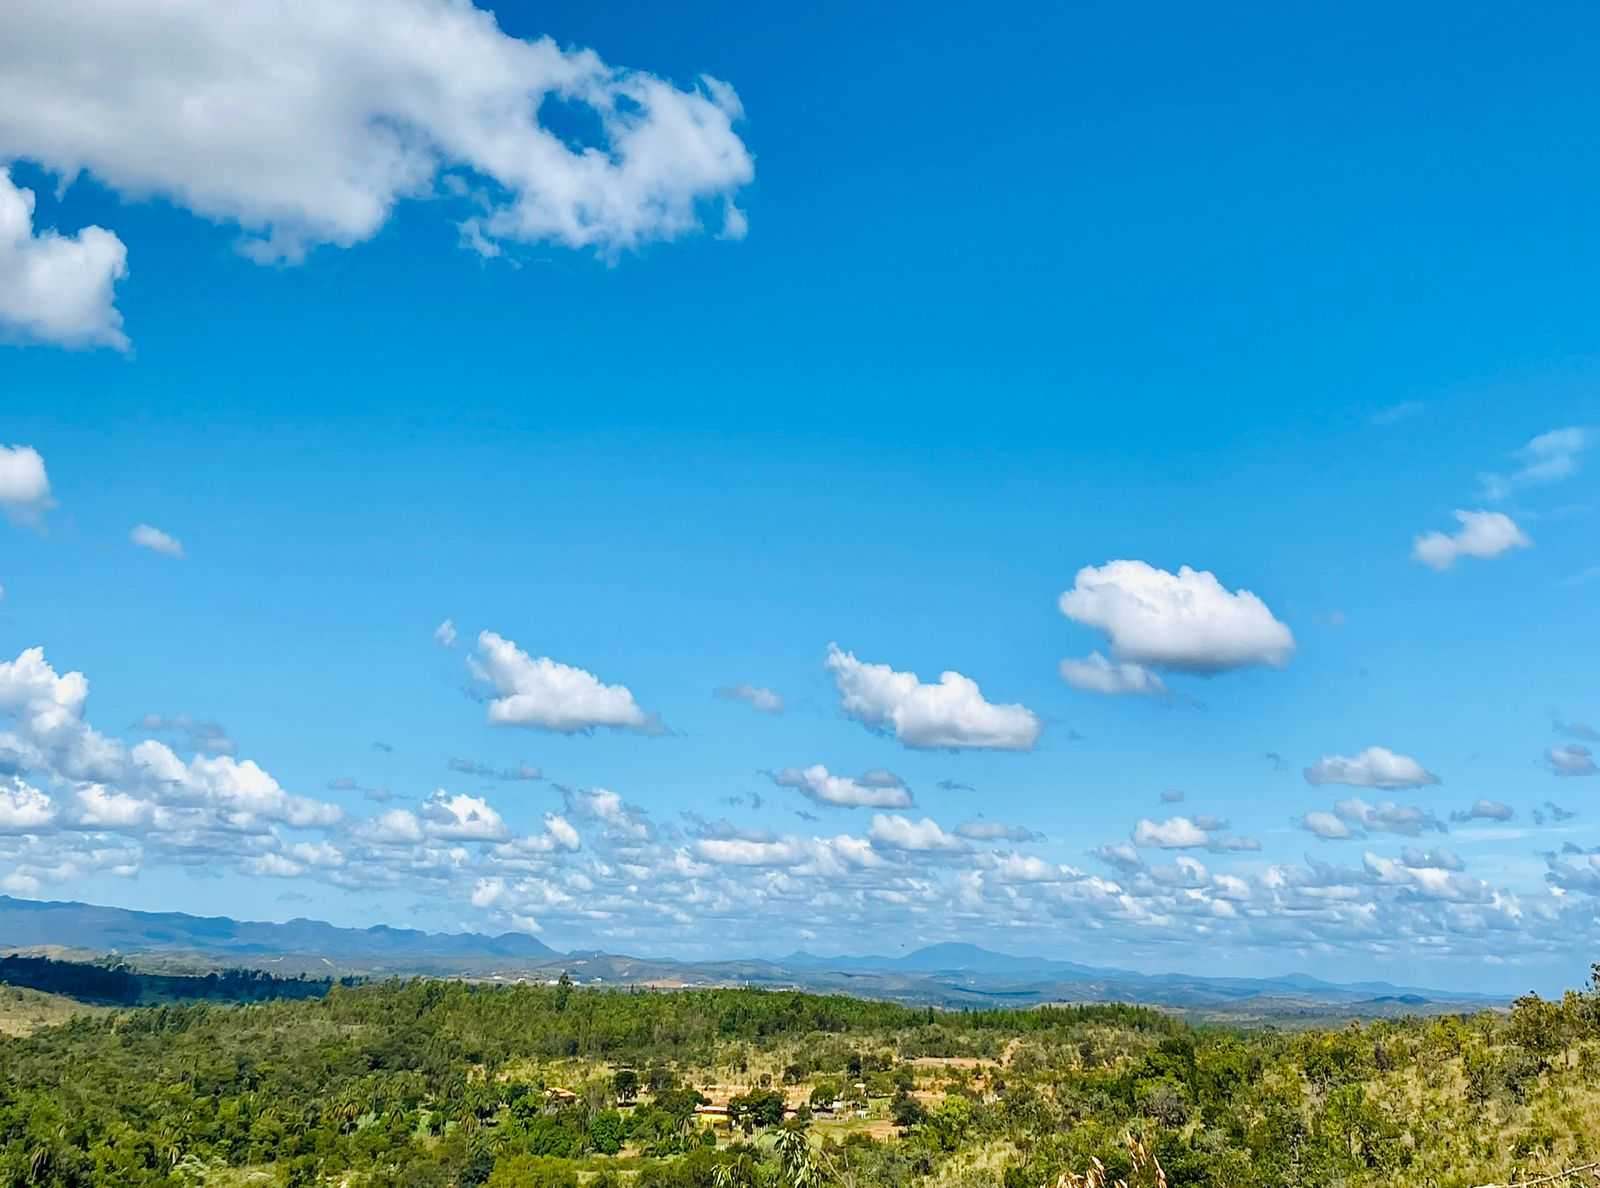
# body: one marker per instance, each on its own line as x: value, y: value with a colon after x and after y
x: 1184, y: 622
x: 823, y: 787
x: 308, y: 130
x: 24, y: 484
x: 951, y: 715
x: 1483, y: 534
x: 548, y: 695
x: 1375, y: 767
x: 53, y: 288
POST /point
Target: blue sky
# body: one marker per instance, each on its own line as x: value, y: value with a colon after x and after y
x: 883, y: 351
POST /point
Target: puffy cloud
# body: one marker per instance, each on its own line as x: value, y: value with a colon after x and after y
x: 1387, y: 817
x: 1375, y: 767
x: 824, y: 788
x: 157, y: 541
x: 988, y: 831
x: 24, y: 485
x: 461, y: 818
x: 951, y: 715
x: 445, y: 634
x: 23, y: 808
x: 1183, y: 622
x: 755, y: 696
x: 241, y: 791
x: 1485, y: 810
x: 1095, y: 674
x: 1482, y: 534
x: 1175, y: 833
x: 738, y: 851
x: 1438, y: 859
x: 1327, y: 826
x: 544, y: 694
x: 1184, y: 833
x: 1571, y: 760
x: 54, y: 288
x: 891, y: 831
x: 1548, y: 458
x: 385, y: 102
x: 99, y: 807
x: 624, y: 822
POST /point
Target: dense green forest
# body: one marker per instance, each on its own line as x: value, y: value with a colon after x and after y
x: 115, y: 983
x: 447, y: 1083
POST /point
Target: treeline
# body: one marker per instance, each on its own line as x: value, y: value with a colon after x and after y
x: 426, y: 1083
x: 116, y: 984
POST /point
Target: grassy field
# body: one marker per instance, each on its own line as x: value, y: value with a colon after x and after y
x: 23, y: 1012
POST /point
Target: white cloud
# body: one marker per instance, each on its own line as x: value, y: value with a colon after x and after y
x: 1095, y: 674
x: 1548, y: 458
x: 24, y: 485
x: 1387, y: 817
x: 1375, y: 767
x: 1326, y: 825
x: 309, y: 131
x: 1482, y: 534
x: 736, y: 851
x: 461, y: 818
x: 755, y: 696
x: 1484, y: 810
x: 1571, y: 760
x: 156, y: 540
x: 547, y: 695
x: 1184, y: 622
x: 951, y: 715
x: 824, y: 788
x: 23, y: 808
x: 625, y: 823
x: 894, y: 832
x: 1175, y: 833
x: 53, y: 288
x: 445, y: 634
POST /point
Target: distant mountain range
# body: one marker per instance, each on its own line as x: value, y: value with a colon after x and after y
x: 946, y: 975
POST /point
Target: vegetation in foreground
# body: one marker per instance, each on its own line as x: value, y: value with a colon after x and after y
x: 440, y: 1083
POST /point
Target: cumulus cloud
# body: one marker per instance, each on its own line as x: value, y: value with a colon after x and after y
x: 147, y: 537
x: 1355, y: 818
x: 1375, y: 767
x: 24, y: 485
x: 817, y: 783
x: 1571, y: 760
x: 1095, y: 674
x: 445, y: 634
x: 1548, y: 458
x: 544, y: 694
x: 1183, y: 622
x: 1482, y: 534
x: 624, y: 822
x: 891, y: 831
x: 462, y: 818
x: 757, y: 697
x: 951, y: 715
x: 1327, y: 826
x: 310, y: 131
x: 1175, y: 833
x: 1484, y: 810
x: 23, y: 808
x: 54, y: 288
